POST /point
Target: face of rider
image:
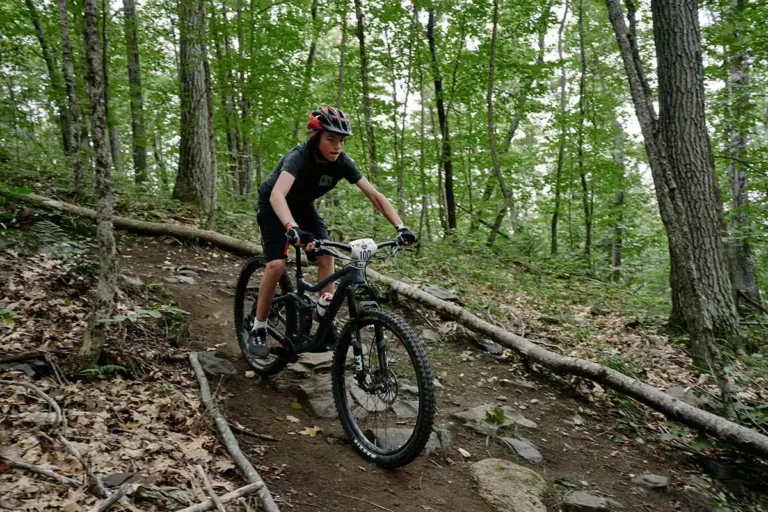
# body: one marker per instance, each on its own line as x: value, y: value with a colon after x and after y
x: 330, y: 145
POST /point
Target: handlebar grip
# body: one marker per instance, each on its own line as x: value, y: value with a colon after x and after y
x: 290, y: 239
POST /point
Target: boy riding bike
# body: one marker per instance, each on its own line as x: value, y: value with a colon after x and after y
x: 286, y: 211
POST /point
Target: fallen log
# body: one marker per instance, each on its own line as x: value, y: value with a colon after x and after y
x: 744, y: 438
x: 144, y: 227
x: 747, y: 439
x: 228, y: 438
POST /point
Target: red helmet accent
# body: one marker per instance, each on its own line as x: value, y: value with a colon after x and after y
x: 314, y: 122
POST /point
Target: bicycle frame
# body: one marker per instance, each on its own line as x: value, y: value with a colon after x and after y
x: 350, y: 279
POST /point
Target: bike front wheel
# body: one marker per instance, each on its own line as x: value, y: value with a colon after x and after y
x: 388, y: 410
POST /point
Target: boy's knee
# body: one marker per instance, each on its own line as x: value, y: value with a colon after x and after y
x: 276, y: 266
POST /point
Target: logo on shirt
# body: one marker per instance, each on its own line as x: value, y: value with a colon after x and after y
x: 326, y: 181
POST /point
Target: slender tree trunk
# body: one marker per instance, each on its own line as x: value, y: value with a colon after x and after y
x: 114, y: 132
x: 195, y: 179
x: 137, y: 98
x: 162, y: 168
x: 306, y: 89
x: 79, y: 62
x: 225, y: 79
x: 466, y: 167
x: 244, y: 133
x: 73, y: 110
x: 211, y: 219
x: 740, y: 252
x: 372, y: 161
x: 450, y: 202
x: 259, y: 157
x: 561, y: 148
x: 681, y: 164
x: 408, y: 82
x: 56, y: 88
x: 439, y: 158
x: 424, y: 218
x: 343, y: 55
x: 492, y: 131
x: 95, y: 335
x: 618, y: 204
x: 582, y: 119
x: 395, y: 118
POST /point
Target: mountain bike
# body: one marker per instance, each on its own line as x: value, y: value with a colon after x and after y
x: 381, y: 378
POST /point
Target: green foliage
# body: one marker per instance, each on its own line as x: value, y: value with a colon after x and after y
x: 7, y: 315
x: 495, y: 417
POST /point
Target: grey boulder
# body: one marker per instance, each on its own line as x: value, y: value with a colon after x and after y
x: 508, y: 487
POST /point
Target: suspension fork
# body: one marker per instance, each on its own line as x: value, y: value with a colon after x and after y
x: 355, y: 310
x: 354, y: 336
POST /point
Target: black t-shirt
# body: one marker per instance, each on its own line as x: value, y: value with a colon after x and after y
x: 314, y: 175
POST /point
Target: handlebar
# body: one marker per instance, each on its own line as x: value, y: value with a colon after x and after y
x: 347, y: 247
x: 322, y: 246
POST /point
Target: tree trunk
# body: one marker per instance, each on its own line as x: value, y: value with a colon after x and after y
x: 561, y: 148
x: 582, y: 119
x: 210, y: 222
x: 343, y: 56
x: 618, y: 204
x: 95, y: 335
x: 79, y: 61
x: 56, y: 89
x: 450, y: 202
x: 740, y: 252
x: 744, y: 438
x: 372, y: 162
x: 306, y: 88
x: 114, y: 131
x: 160, y: 162
x: 194, y: 181
x: 244, y: 133
x: 73, y: 110
x: 439, y: 158
x: 492, y: 131
x: 681, y: 165
x: 225, y: 79
x: 137, y: 99
x: 683, y: 128
x: 395, y: 118
x: 424, y: 218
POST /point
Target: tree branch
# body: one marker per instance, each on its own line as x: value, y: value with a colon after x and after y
x: 228, y: 437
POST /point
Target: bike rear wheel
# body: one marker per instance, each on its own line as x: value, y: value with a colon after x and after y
x: 282, y: 315
x: 389, y: 418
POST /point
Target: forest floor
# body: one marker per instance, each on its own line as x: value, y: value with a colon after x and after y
x: 590, y: 439
x: 585, y: 445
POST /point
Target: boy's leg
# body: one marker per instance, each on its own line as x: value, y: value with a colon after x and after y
x: 310, y: 220
x: 325, y: 269
x: 275, y: 250
x: 267, y: 288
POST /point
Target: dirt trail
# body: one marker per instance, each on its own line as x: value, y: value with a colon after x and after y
x: 583, y: 448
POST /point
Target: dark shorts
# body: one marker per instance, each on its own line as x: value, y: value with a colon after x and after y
x: 273, y: 231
